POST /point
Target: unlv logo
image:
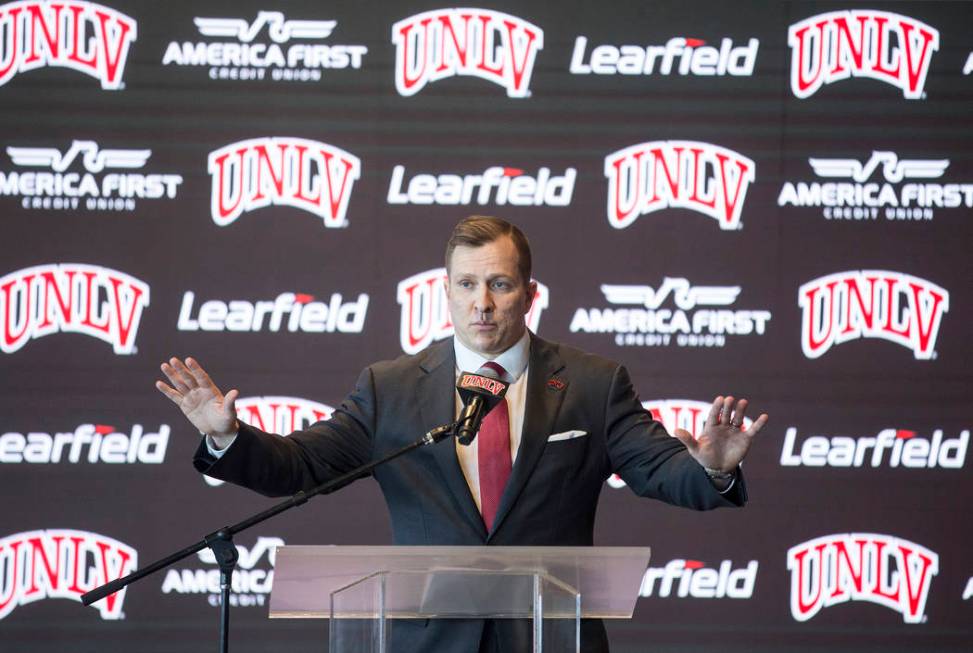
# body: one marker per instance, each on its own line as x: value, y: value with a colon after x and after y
x: 280, y: 415
x: 425, y: 311
x: 881, y: 569
x: 893, y: 306
x: 308, y: 175
x: 658, y: 175
x: 71, y: 298
x: 83, y: 36
x: 880, y: 45
x: 62, y: 564
x: 494, y: 46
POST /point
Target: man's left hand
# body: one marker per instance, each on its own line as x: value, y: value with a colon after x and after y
x: 723, y: 443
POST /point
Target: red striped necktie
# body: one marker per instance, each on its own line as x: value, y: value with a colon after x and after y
x: 493, y: 454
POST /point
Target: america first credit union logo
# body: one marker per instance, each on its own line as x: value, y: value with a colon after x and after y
x: 425, y: 310
x: 71, y: 298
x: 657, y: 175
x: 877, y: 568
x: 103, y: 179
x: 294, y: 51
x: 883, y: 185
x: 308, y: 175
x: 62, y: 564
x: 90, y: 38
x: 638, y: 315
x: 880, y: 45
x: 892, y: 306
x: 442, y: 43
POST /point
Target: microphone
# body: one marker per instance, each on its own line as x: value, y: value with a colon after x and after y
x: 480, y: 392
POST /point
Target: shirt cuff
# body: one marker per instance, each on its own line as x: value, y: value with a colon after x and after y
x: 211, y: 446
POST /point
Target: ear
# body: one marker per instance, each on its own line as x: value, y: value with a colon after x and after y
x: 531, y: 293
x: 446, y: 284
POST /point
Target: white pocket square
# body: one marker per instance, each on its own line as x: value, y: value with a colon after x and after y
x: 566, y: 435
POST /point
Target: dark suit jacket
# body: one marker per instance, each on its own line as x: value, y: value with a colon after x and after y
x: 552, y: 494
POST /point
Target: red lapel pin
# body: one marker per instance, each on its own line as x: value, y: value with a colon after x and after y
x: 556, y: 384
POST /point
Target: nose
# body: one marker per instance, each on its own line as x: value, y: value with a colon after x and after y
x: 483, y: 301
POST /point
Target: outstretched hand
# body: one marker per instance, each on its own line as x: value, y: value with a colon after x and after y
x: 209, y: 410
x: 723, y: 442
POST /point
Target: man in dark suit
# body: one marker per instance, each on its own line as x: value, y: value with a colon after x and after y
x: 534, y: 473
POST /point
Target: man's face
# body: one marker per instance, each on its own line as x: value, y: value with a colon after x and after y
x: 487, y: 297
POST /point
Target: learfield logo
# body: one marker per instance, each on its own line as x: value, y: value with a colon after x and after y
x: 680, y: 55
x: 658, y: 175
x: 882, y: 304
x: 882, y: 185
x: 499, y: 185
x: 71, y: 298
x: 879, y: 45
x: 308, y: 175
x: 889, y: 448
x: 291, y: 51
x: 675, y: 313
x: 277, y: 414
x: 88, y: 443
x: 290, y: 312
x: 693, y: 579
x: 882, y: 569
x: 687, y: 414
x: 425, y: 310
x: 62, y: 564
x: 97, y: 182
x: 84, y: 36
x: 491, y: 45
x: 252, y: 579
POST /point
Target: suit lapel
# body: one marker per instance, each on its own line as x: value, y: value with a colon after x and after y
x: 434, y: 396
x: 543, y: 401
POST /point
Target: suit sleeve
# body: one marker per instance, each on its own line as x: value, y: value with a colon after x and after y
x: 275, y: 465
x: 653, y: 463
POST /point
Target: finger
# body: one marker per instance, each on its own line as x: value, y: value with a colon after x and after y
x: 199, y: 374
x: 727, y: 410
x: 184, y: 373
x: 175, y: 377
x: 739, y: 412
x: 229, y: 403
x: 758, y: 424
x: 714, y: 412
x: 168, y: 391
x: 687, y: 439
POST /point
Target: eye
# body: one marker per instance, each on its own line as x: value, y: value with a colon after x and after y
x: 465, y: 284
x: 501, y: 285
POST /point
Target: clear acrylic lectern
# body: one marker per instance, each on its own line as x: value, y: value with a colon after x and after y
x: 365, y: 589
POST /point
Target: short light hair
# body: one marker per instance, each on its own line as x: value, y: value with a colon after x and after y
x: 478, y: 230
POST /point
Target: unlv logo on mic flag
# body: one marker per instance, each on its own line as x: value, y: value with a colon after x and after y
x: 309, y: 175
x: 657, y: 175
x: 425, y: 311
x: 71, y: 298
x: 881, y: 569
x: 855, y: 304
x: 491, y: 45
x: 62, y: 564
x: 880, y: 45
x: 84, y: 36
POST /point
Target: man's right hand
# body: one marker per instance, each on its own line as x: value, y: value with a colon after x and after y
x: 209, y: 410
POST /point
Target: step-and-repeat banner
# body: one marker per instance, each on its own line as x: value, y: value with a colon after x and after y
x: 773, y: 200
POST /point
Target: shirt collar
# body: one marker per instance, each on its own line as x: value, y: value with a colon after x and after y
x: 514, y: 360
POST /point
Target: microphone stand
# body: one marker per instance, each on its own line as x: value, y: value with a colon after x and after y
x: 221, y: 541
